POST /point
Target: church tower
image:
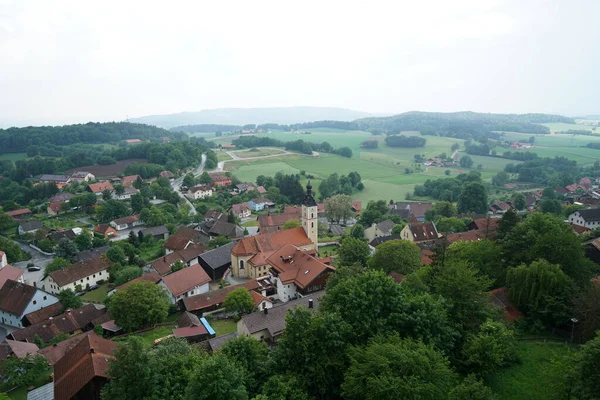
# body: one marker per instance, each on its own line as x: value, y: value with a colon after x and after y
x: 309, y: 216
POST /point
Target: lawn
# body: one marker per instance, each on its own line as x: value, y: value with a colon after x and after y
x: 96, y: 296
x: 223, y: 326
x: 325, y: 251
x: 151, y: 251
x: 252, y: 222
x: 222, y: 155
x: 156, y: 333
x: 259, y: 152
x: 529, y: 379
x: 63, y: 221
x: 13, y: 156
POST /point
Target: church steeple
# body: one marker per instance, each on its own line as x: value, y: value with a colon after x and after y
x: 309, y: 215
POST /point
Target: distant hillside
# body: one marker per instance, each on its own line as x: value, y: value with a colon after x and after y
x: 243, y: 116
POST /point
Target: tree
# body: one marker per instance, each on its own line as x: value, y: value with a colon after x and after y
x: 68, y: 299
x: 338, y: 208
x: 283, y: 387
x: 56, y: 264
x: 472, y: 389
x: 400, y: 256
x: 519, y: 202
x: 587, y: 310
x: 353, y: 250
x: 509, y: 220
x: 551, y: 206
x: 252, y: 356
x: 313, y: 349
x: 116, y: 254
x: 397, y: 229
x: 451, y: 224
x: 473, y: 199
x: 189, y: 180
x: 83, y: 241
x: 239, y: 301
x: 6, y: 221
x: 542, y: 291
x: 587, y: 369
x: 126, y: 274
x: 153, y: 216
x: 216, y: 378
x: 205, y: 179
x: 395, y: 368
x: 466, y: 162
x: 66, y: 249
x: 492, y: 348
x: 139, y: 305
x: 444, y: 209
x: 107, y: 194
x: 138, y: 203
x: 218, y: 242
x: 23, y: 371
x: 485, y: 255
x: 177, y: 266
x: 112, y: 209
x: 360, y: 186
x: 344, y: 272
x: 12, y: 250
x: 357, y: 231
x: 292, y: 223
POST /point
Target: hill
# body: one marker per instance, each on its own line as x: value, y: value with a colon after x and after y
x: 242, y: 116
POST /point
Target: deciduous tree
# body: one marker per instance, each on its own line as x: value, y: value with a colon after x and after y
x: 353, y: 250
x: 139, y: 305
x: 472, y: 199
x: 239, y: 301
x: 68, y: 299
x: 338, y: 208
x: 400, y: 256
x: 216, y: 378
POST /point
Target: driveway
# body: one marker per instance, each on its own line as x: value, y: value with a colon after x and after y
x: 176, y: 184
x: 38, y: 259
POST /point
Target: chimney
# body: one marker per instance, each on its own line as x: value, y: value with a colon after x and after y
x: 310, y: 304
x: 266, y: 311
x: 164, y: 258
x: 92, y: 351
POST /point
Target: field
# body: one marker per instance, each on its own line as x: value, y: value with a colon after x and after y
x: 103, y: 171
x: 260, y: 152
x: 13, y: 156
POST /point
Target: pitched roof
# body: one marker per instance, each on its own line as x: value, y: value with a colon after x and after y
x: 222, y: 228
x: 103, y: 228
x: 130, y: 219
x: 211, y: 214
x: 93, y: 253
x: 156, y: 230
x: 54, y: 178
x: 187, y: 233
x: 80, y: 174
x: 56, y: 206
x: 28, y: 226
x: 220, y: 178
x: 186, y: 279
x: 190, y: 331
x: 218, y: 257
x: 274, y: 222
x: 270, y: 242
x: 274, y: 320
x: 590, y: 215
x: 192, y: 251
x: 297, y: 266
x: 166, y: 174
x: 79, y: 271
x: 240, y: 208
x: 469, y: 236
x: 177, y: 242
x: 200, y: 188
x: 9, y: 272
x: 60, y: 197
x: 43, y: 313
x: 149, y: 277
x: 499, y: 297
x: 22, y: 349
x: 261, y: 190
x: 396, y: 276
x: 15, y: 296
x: 426, y: 256
x: 356, y: 205
x: 100, y: 186
x: 216, y: 343
x: 188, y: 319
x: 488, y: 225
x: 423, y: 231
x: 259, y: 200
x: 215, y: 297
x: 57, y: 351
x: 382, y: 239
x: 129, y: 180
x: 386, y: 226
x: 20, y: 211
x: 417, y: 208
x: 86, y: 360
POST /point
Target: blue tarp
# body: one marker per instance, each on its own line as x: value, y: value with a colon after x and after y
x: 209, y: 328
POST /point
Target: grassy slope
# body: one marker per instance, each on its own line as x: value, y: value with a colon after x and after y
x: 13, y: 156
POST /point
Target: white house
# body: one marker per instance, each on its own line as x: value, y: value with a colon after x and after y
x: 200, y: 192
x: 127, y: 193
x: 83, y: 176
x: 126, y: 222
x: 3, y: 259
x: 186, y: 282
x: 241, y: 210
x: 18, y: 299
x: 88, y: 272
x: 586, y: 218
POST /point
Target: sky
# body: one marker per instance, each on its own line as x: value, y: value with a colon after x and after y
x: 74, y: 61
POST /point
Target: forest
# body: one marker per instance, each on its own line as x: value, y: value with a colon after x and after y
x: 405, y: 141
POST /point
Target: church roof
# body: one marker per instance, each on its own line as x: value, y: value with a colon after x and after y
x: 309, y: 200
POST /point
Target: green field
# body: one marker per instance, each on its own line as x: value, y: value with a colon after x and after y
x: 260, y: 152
x: 13, y: 156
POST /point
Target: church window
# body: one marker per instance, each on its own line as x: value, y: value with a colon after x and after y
x: 241, y: 264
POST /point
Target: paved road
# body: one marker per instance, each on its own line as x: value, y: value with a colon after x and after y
x: 176, y: 184
x: 38, y: 259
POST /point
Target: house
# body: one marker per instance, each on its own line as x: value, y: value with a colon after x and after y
x: 54, y: 208
x: 382, y: 239
x: 149, y: 277
x: 18, y: 299
x: 82, y: 176
x: 269, y: 324
x: 193, y: 329
x: 98, y: 188
x: 241, y: 210
x: 68, y: 234
x: 259, y: 204
x: 249, y: 255
x: 129, y: 180
x: 133, y: 141
x: 585, y: 183
x: 19, y: 214
x: 61, y: 198
x: 57, y: 179
x: 297, y: 273
x: 500, y: 207
x: 3, y: 260
x: 587, y: 218
x: 200, y: 192
x: 275, y: 222
x: 214, y: 300
x: 185, y: 283
x: 42, y: 314
x: 418, y: 209
x: 83, y: 371
x: 78, y: 276
x: 469, y: 236
x: 160, y: 232
x: 384, y: 228
x: 105, y: 230
x: 71, y: 321
x: 356, y: 206
x: 228, y: 146
x: 189, y: 256
x: 14, y: 349
x: 217, y: 261
x: 128, y: 192
x: 420, y: 232
x: 214, y: 215
x: 126, y: 222
x: 29, y: 226
x: 220, y: 180
x: 220, y: 228
x: 487, y: 226
x: 166, y: 174
x: 8, y: 272
x: 183, y: 238
x: 57, y: 351
x: 110, y: 329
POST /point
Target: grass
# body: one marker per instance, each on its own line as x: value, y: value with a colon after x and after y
x: 13, y: 156
x: 223, y: 326
x: 529, y: 379
x: 63, y: 221
x: 222, y: 155
x: 259, y: 152
x: 252, y: 222
x: 325, y: 251
x: 174, y: 317
x: 96, y: 296
x: 156, y: 333
x: 151, y: 251
x: 20, y: 393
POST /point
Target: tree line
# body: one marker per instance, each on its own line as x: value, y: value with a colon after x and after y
x: 297, y: 145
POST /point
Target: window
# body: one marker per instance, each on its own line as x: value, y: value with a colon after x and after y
x: 312, y: 215
x: 82, y: 281
x: 93, y: 276
x: 34, y: 302
x: 312, y: 224
x: 241, y: 264
x: 88, y: 278
x: 45, y: 298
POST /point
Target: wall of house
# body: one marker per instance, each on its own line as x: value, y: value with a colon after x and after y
x: 93, y: 279
x: 196, y: 290
x: 235, y: 264
x: 3, y: 260
x: 242, y: 330
x: 286, y: 292
x: 10, y: 319
x: 406, y: 234
x: 576, y: 219
x: 40, y: 299
x: 310, y: 223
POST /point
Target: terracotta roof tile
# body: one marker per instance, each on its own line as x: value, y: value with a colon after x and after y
x: 15, y: 296
x: 185, y: 279
x: 297, y: 266
x: 79, y: 271
x: 149, y: 277
x: 100, y: 186
x: 43, y: 313
x: 9, y: 272
x: 269, y: 242
x: 216, y: 297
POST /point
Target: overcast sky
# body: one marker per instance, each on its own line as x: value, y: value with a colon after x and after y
x: 71, y: 61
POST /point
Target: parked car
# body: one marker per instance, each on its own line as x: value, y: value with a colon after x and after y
x: 92, y: 287
x: 33, y: 269
x: 79, y: 293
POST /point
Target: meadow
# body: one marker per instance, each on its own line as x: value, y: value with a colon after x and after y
x: 13, y: 156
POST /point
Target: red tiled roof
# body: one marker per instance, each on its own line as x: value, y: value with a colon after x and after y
x: 500, y: 298
x: 186, y: 279
x: 55, y: 206
x: 79, y: 271
x: 102, y: 228
x: 297, y: 266
x: 271, y: 222
x: 43, y: 313
x: 15, y: 296
x: 485, y: 224
x: 86, y: 360
x: 130, y: 219
x: 9, y: 272
x: 190, y: 331
x: 128, y: 181
x: 240, y: 208
x: 177, y: 243
x: 21, y: 349
x: 396, y: 276
x: 426, y: 255
x: 56, y: 352
x: 423, y: 231
x: 468, y: 236
x: 100, y: 186
x: 16, y: 213
x: 269, y: 242
x: 356, y: 205
x: 214, y: 298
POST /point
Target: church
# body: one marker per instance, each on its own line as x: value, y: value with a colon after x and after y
x: 289, y: 256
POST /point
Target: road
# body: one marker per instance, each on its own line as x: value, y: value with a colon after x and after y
x: 176, y: 184
x: 38, y: 259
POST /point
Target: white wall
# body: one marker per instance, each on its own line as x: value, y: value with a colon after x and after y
x: 40, y: 299
x: 3, y: 260
x: 93, y: 279
x: 286, y: 292
x: 196, y: 290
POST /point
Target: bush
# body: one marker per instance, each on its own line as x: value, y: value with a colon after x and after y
x: 100, y: 281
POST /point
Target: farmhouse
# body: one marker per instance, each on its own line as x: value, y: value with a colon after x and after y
x: 54, y: 208
x: 384, y: 228
x: 167, y: 174
x: 220, y: 180
x: 129, y: 180
x: 157, y: 232
x: 587, y: 218
x: 185, y: 283
x: 83, y: 274
x: 19, y: 214
x: 126, y: 222
x: 82, y: 176
x: 241, y: 210
x: 212, y: 215
x: 57, y: 179
x: 417, y: 209
x: 128, y: 192
x: 183, y: 238
x: 18, y: 299
x: 61, y: 198
x: 189, y: 256
x: 12, y: 348
x: 105, y: 230
x: 420, y: 233
x: 200, y: 192
x: 98, y: 188
x: 8, y: 272
x: 213, y: 300
x: 259, y: 204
